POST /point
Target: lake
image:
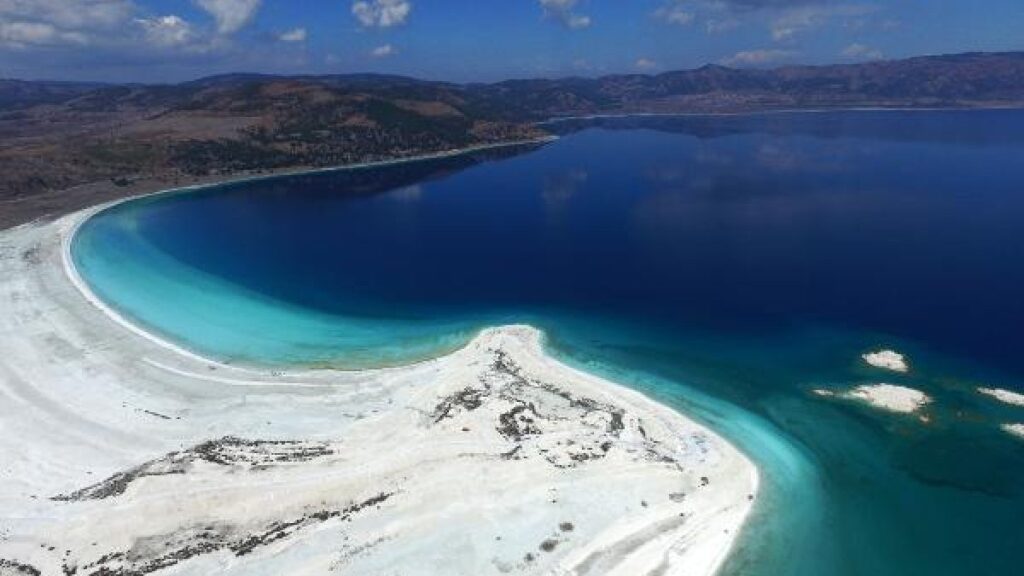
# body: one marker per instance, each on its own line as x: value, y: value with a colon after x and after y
x: 726, y: 265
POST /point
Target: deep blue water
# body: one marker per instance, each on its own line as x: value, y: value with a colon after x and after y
x: 725, y: 265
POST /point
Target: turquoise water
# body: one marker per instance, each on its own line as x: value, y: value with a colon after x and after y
x: 724, y: 265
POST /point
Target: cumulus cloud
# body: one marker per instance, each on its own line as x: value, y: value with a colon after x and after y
x: 293, y: 35
x: 230, y: 15
x: 857, y: 51
x: 384, y: 51
x: 114, y: 24
x: 758, y: 57
x: 26, y: 23
x: 381, y: 13
x: 166, y: 31
x: 564, y: 12
x: 646, y: 64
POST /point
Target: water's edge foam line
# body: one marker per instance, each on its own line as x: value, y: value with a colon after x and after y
x: 74, y: 221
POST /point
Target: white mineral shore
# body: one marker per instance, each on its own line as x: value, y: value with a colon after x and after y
x: 1014, y: 429
x: 891, y: 397
x: 887, y: 360
x: 1006, y: 396
x: 885, y: 396
x: 123, y: 455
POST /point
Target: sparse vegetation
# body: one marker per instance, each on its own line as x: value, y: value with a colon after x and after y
x: 54, y: 136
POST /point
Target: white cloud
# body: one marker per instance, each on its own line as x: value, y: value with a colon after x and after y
x: 859, y: 51
x: 230, y: 15
x: 646, y: 64
x: 25, y: 34
x: 674, y: 13
x: 67, y: 14
x: 715, y: 16
x: 53, y: 22
x: 718, y: 26
x: 564, y: 12
x: 166, y: 31
x: 794, y: 21
x: 890, y: 24
x: 803, y: 18
x: 758, y: 57
x: 294, y: 35
x: 384, y: 51
x: 558, y: 5
x: 578, y: 21
x: 381, y: 13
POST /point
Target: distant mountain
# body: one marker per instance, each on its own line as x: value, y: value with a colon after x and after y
x: 953, y: 81
x: 18, y: 93
x: 59, y: 134
x: 949, y: 80
x: 978, y: 79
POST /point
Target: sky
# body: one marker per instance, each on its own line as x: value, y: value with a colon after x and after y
x: 160, y: 41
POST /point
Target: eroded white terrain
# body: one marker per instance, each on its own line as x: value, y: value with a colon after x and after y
x: 123, y: 456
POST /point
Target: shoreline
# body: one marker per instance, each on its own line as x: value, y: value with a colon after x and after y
x: 770, y: 111
x: 56, y: 204
x: 109, y: 385
x: 165, y: 184
x: 76, y: 219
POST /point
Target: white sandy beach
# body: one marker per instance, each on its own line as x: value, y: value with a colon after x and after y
x: 123, y: 455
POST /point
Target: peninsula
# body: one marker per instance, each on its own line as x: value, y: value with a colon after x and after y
x: 124, y: 455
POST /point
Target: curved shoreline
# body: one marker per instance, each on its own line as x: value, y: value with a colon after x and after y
x: 150, y: 375
x: 769, y: 112
x: 77, y: 219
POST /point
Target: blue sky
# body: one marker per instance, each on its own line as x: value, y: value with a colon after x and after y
x: 479, y: 40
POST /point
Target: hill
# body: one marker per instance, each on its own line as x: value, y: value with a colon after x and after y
x: 56, y: 135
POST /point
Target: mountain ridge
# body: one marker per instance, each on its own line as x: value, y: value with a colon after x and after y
x: 778, y: 79
x: 56, y: 135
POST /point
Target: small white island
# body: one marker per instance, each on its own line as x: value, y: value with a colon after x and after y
x: 1014, y: 429
x: 889, y: 397
x: 887, y: 360
x: 1005, y: 396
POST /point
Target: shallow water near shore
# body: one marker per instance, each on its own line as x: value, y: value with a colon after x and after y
x: 724, y: 265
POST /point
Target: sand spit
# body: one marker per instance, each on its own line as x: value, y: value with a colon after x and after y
x: 887, y: 360
x: 122, y: 456
x: 885, y: 396
x: 1007, y: 396
x: 1014, y: 429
